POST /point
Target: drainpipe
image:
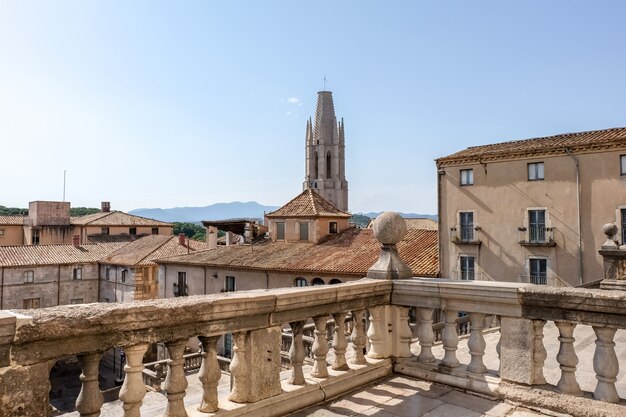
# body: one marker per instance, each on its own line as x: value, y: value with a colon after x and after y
x: 59, y: 285
x: 580, y: 237
x: 267, y: 280
x: 1, y: 287
x: 440, y: 174
x: 204, y: 281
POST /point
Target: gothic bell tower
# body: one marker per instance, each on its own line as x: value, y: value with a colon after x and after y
x: 325, y: 154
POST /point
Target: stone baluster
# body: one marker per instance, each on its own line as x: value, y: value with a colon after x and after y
x: 320, y: 348
x: 476, y: 344
x: 540, y: 353
x: 450, y: 339
x: 567, y: 359
x: 425, y: 334
x: 340, y: 343
x: 296, y: 353
x: 404, y: 333
x: 240, y: 391
x: 375, y: 333
x: 358, y: 337
x: 209, y: 374
x: 90, y: 398
x: 133, y: 389
x: 605, y: 364
x: 175, y: 382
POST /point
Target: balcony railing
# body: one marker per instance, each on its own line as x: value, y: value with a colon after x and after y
x: 536, y: 236
x: 463, y: 234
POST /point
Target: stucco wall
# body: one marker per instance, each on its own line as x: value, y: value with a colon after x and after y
x: 114, y: 289
x: 500, y: 198
x: 13, y: 235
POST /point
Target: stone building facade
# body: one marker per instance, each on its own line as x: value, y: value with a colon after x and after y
x: 532, y: 210
x: 325, y: 166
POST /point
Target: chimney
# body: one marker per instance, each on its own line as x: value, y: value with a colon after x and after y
x: 105, y: 206
x: 76, y: 240
x: 181, y: 239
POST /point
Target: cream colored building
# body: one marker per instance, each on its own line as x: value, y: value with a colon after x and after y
x: 532, y: 210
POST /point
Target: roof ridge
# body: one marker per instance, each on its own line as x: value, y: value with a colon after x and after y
x: 157, y: 248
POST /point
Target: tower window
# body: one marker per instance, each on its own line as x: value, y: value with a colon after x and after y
x: 304, y: 231
x: 280, y: 230
x: 316, y: 166
x: 328, y: 167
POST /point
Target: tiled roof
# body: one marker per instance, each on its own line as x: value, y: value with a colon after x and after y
x: 308, y: 204
x: 13, y: 256
x: 143, y: 251
x: 350, y: 253
x: 11, y: 220
x: 592, y: 140
x: 116, y: 218
x: 124, y: 237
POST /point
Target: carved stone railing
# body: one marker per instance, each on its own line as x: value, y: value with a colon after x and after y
x: 33, y: 340
x: 523, y: 311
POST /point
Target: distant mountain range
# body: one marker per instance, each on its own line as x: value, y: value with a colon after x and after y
x: 218, y: 211
x: 373, y: 215
x: 222, y: 211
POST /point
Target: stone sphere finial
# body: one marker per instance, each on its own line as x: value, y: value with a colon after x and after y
x: 610, y: 230
x: 389, y: 228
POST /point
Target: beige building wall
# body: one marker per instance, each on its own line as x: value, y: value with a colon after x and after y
x: 500, y: 199
x: 318, y: 227
x: 51, y: 285
x: 11, y: 235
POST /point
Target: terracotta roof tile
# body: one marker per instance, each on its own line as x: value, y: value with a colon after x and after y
x: 116, y: 218
x: 308, y: 204
x: 350, y: 253
x: 13, y: 256
x: 143, y: 251
x: 11, y: 220
x: 592, y: 140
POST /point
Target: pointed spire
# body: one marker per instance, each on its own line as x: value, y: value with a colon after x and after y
x: 325, y: 120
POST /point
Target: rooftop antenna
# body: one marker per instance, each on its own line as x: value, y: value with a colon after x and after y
x: 64, y: 172
x: 324, y: 82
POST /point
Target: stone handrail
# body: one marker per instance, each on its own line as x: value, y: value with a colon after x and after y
x: 33, y: 340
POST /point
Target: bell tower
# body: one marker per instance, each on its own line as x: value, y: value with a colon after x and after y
x: 325, y: 154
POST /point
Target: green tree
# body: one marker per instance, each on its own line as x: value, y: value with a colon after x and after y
x: 360, y: 220
x: 191, y: 230
x: 83, y: 211
x: 13, y: 211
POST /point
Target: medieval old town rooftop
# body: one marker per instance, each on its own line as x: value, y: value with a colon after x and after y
x: 308, y: 204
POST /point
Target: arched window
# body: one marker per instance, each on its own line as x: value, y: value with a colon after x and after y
x: 318, y: 281
x: 335, y: 281
x: 328, y: 160
x: 315, y: 166
x: 301, y: 282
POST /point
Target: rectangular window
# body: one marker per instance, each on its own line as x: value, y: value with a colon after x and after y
x: 229, y: 284
x: 107, y: 273
x: 104, y: 230
x: 180, y: 286
x: 76, y: 301
x: 77, y: 273
x: 535, y: 171
x: 623, y: 212
x: 467, y: 177
x: 29, y: 303
x: 132, y: 230
x: 622, y: 164
x: 29, y: 276
x: 538, y: 271
x: 466, y: 220
x: 1, y: 232
x: 155, y: 230
x: 537, y: 225
x: 280, y: 231
x: 304, y: 231
x: 35, y: 237
x: 467, y: 268
x: 332, y: 227
x: 228, y: 345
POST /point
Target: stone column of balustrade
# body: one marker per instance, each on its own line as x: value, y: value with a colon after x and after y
x: 567, y: 359
x: 540, y: 353
x: 340, y: 343
x: 175, y: 382
x: 133, y: 389
x: 358, y: 337
x: 605, y: 364
x: 90, y: 398
x: 402, y: 330
x: 320, y: 348
x: 376, y: 334
x: 476, y: 344
x: 240, y: 391
x: 209, y: 374
x: 450, y: 339
x: 296, y: 353
x: 425, y: 334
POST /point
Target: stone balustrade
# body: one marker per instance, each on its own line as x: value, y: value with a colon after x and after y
x: 33, y: 340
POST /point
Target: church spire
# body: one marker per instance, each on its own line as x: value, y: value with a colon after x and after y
x: 325, y: 156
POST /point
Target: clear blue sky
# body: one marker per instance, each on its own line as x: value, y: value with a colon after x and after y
x: 163, y: 104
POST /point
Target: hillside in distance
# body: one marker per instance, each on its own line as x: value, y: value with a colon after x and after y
x: 218, y: 211
x: 373, y: 215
